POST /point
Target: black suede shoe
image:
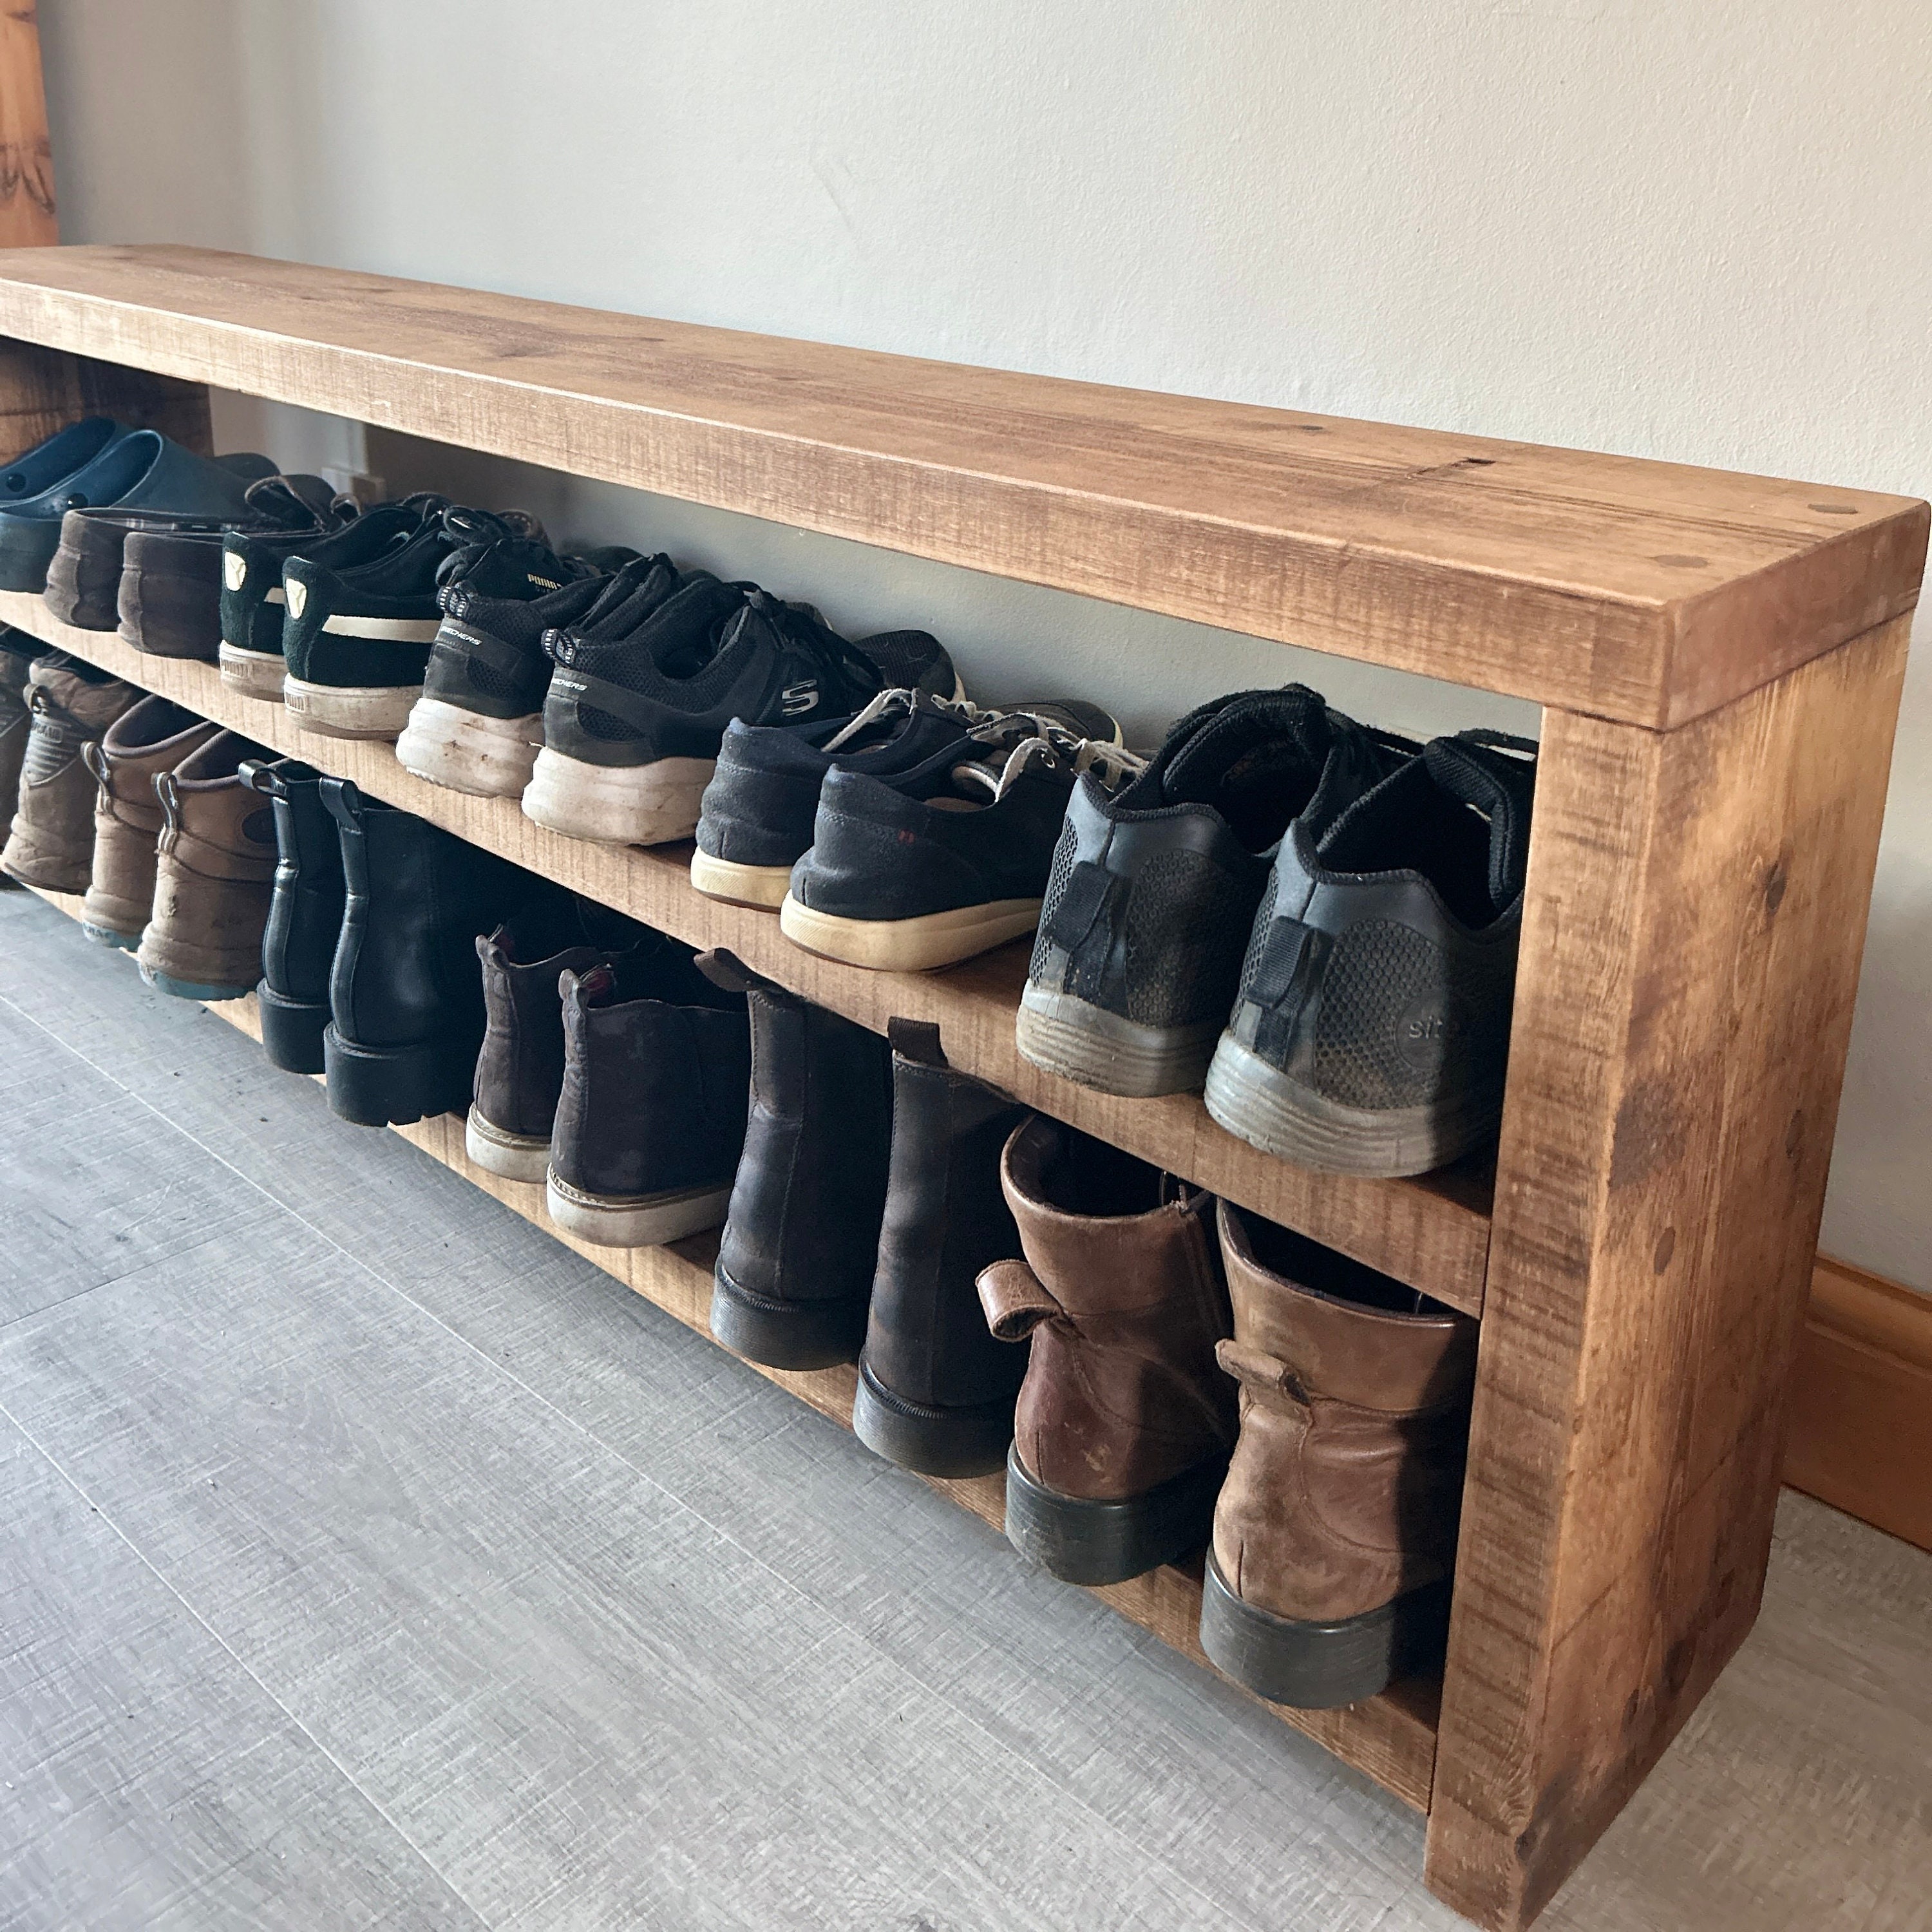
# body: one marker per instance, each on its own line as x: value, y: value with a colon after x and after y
x: 1154, y: 888
x: 795, y: 1267
x: 657, y: 1065
x: 936, y: 1390
x: 1371, y: 1035
x: 406, y: 1003
x: 634, y: 716
x: 944, y: 861
x: 756, y: 820
x: 478, y: 725
x: 304, y: 914
x: 357, y: 637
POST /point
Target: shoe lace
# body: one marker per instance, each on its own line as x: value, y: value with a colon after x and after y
x: 1051, y: 743
x: 801, y: 624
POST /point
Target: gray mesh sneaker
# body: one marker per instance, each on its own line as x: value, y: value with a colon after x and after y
x: 1371, y: 1034
x: 1154, y: 890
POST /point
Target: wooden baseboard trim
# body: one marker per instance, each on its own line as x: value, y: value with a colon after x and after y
x: 1861, y: 1424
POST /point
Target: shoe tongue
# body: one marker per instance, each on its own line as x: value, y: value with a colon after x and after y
x: 1248, y: 743
x: 1478, y: 769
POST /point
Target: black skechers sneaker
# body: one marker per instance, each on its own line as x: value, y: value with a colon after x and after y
x: 1154, y: 890
x: 757, y: 813
x: 635, y: 717
x: 357, y: 637
x: 944, y: 861
x: 1371, y: 1034
x: 478, y: 725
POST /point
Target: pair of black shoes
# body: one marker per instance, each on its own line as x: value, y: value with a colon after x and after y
x: 867, y: 1201
x: 368, y: 960
x: 1318, y: 920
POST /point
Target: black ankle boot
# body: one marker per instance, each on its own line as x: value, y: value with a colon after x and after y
x: 936, y: 1392
x: 795, y: 1268
x: 304, y: 914
x: 406, y: 1000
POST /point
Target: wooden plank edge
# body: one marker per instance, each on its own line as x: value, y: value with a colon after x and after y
x: 1390, y: 1738
x: 1433, y: 1230
x: 1860, y: 1432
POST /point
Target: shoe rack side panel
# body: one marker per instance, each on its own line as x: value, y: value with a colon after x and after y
x: 1691, y: 942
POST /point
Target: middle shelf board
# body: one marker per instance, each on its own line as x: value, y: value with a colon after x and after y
x: 1433, y: 1232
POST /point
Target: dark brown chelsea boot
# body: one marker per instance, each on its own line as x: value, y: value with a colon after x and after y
x: 150, y: 738
x: 1125, y: 1422
x: 214, y: 872
x: 935, y: 1389
x: 657, y: 1063
x: 1335, y: 1535
x: 794, y: 1270
x: 519, y: 1071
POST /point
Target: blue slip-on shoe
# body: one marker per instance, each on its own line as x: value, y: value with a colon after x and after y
x: 60, y: 455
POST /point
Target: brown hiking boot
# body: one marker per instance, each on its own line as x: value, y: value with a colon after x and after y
x: 1124, y: 1424
x: 213, y: 876
x: 17, y: 653
x: 50, y: 843
x: 1336, y: 1532
x: 149, y: 738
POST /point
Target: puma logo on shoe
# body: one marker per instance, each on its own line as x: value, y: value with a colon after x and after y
x: 297, y: 591
x: 234, y: 570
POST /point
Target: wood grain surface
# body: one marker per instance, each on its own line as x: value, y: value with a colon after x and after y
x: 1648, y: 593
x: 1695, y: 917
x: 1432, y: 1231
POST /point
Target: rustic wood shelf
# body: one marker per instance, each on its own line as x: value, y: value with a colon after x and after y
x: 1719, y: 658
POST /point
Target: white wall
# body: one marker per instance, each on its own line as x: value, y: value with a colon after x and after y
x: 1690, y: 229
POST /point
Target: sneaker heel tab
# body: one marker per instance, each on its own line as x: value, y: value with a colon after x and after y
x: 916, y: 1040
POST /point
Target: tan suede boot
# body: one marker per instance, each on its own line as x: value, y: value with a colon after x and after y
x: 1124, y: 1424
x: 213, y: 878
x: 150, y: 738
x: 50, y: 843
x: 17, y: 653
x: 1335, y: 1535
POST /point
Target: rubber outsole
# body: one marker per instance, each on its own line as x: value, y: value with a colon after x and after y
x: 212, y: 991
x: 918, y: 945
x: 466, y: 752
x: 510, y: 1156
x: 254, y: 673
x: 1083, y: 1541
x: 785, y: 1334
x: 965, y: 1441
x: 390, y: 1086
x: 349, y: 711
x: 1321, y: 1666
x: 292, y: 1030
x: 1092, y: 1047
x: 617, y: 805
x: 634, y: 1221
x: 1262, y: 1104
x: 108, y: 935
x: 762, y: 886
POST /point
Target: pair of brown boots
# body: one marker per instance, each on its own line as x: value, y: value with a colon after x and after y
x: 1199, y: 1374
x: 139, y: 804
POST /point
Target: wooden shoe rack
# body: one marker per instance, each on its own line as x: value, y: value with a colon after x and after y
x: 1719, y: 660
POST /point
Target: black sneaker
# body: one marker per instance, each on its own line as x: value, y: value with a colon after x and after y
x: 478, y: 725
x: 1153, y: 889
x: 1371, y: 1034
x: 756, y: 820
x: 357, y: 637
x: 634, y: 718
x: 945, y: 861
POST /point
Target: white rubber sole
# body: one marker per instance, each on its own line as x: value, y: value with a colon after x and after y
x: 617, y: 805
x: 1093, y: 1047
x: 647, y: 1221
x: 907, y: 945
x: 1264, y: 1108
x: 254, y: 673
x: 488, y: 757
x: 510, y: 1156
x: 350, y: 711
x: 762, y: 886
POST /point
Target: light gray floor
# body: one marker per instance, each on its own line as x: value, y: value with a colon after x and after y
x: 366, y: 1559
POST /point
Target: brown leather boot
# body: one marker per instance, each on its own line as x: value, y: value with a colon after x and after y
x: 151, y: 737
x: 1335, y: 1535
x: 50, y: 843
x: 1124, y: 1424
x: 17, y: 653
x: 213, y: 878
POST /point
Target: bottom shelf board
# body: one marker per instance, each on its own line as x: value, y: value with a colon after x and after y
x: 1390, y: 1738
